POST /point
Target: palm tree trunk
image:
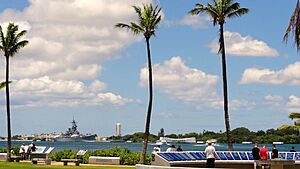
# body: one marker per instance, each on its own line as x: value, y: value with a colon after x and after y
x: 148, y: 118
x: 8, y: 112
x: 226, y: 114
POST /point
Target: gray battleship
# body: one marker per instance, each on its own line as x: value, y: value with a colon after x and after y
x: 72, y: 134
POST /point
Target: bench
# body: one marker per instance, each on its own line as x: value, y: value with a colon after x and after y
x: 15, y: 158
x: 76, y: 161
x: 47, y: 161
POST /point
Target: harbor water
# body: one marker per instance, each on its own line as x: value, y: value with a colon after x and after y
x: 136, y: 147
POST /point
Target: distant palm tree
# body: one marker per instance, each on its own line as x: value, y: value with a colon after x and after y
x: 10, y: 45
x: 149, y: 19
x: 295, y: 116
x: 219, y: 10
x: 294, y: 26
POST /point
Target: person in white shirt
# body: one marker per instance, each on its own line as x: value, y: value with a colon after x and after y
x: 22, y: 151
x: 210, y: 153
x: 156, y: 149
x: 172, y: 148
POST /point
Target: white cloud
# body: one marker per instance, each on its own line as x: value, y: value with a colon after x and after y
x: 273, y: 100
x: 97, y: 86
x: 45, y: 91
x: 242, y: 104
x: 69, y: 40
x: 176, y: 79
x: 289, y: 75
x: 189, y: 85
x: 196, y: 21
x: 238, y: 45
x: 166, y: 115
x: 69, y: 36
x: 293, y: 105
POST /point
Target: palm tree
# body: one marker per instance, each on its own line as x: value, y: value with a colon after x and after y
x: 294, y: 26
x: 10, y: 45
x: 219, y: 10
x: 149, y: 18
x: 295, y: 116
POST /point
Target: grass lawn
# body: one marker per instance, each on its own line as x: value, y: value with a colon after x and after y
x: 22, y: 165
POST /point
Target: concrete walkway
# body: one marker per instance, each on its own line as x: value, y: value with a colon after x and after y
x: 139, y: 166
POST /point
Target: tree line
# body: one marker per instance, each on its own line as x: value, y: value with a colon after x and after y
x: 285, y: 133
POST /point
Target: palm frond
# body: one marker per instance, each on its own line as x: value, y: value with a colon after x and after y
x: 238, y: 12
x: 122, y: 25
x: 199, y: 8
x: 12, y: 30
x: 294, y: 27
x: 19, y: 36
x: 15, y: 49
x: 3, y: 84
x: 136, y: 29
x: 219, y: 10
x: 11, y: 44
x: 2, y: 39
x: 149, y: 19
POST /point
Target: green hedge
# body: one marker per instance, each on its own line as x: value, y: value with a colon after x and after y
x: 15, y: 148
x: 126, y: 156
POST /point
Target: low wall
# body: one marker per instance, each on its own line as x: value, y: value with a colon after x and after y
x: 2, y: 156
x: 139, y: 166
x: 236, y: 164
x: 104, y: 160
x: 218, y: 164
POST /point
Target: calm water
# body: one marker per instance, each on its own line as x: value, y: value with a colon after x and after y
x: 136, y: 147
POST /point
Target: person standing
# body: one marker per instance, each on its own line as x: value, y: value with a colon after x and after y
x: 274, y: 153
x: 156, y: 149
x: 210, y: 153
x: 179, y: 148
x: 172, y: 148
x: 22, y: 151
x: 263, y: 152
x: 255, y: 152
x: 293, y: 149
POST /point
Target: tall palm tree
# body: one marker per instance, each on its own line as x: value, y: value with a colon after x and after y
x: 10, y: 45
x: 149, y: 19
x: 219, y: 11
x: 294, y: 26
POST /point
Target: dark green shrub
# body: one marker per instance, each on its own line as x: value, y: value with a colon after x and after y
x: 126, y: 156
x: 15, y: 150
x: 68, y: 154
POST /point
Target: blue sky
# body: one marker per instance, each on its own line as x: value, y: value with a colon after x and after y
x: 77, y: 65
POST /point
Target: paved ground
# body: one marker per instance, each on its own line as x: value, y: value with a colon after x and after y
x: 55, y: 163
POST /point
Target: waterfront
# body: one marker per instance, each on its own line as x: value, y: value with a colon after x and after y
x: 136, y: 147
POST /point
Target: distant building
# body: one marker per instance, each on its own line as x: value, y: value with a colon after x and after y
x: 118, y: 129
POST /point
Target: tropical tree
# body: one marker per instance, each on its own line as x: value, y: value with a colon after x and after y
x: 219, y: 11
x: 296, y: 116
x: 10, y: 45
x: 148, y: 21
x: 294, y: 27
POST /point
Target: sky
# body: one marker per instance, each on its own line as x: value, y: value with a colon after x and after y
x: 77, y: 65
